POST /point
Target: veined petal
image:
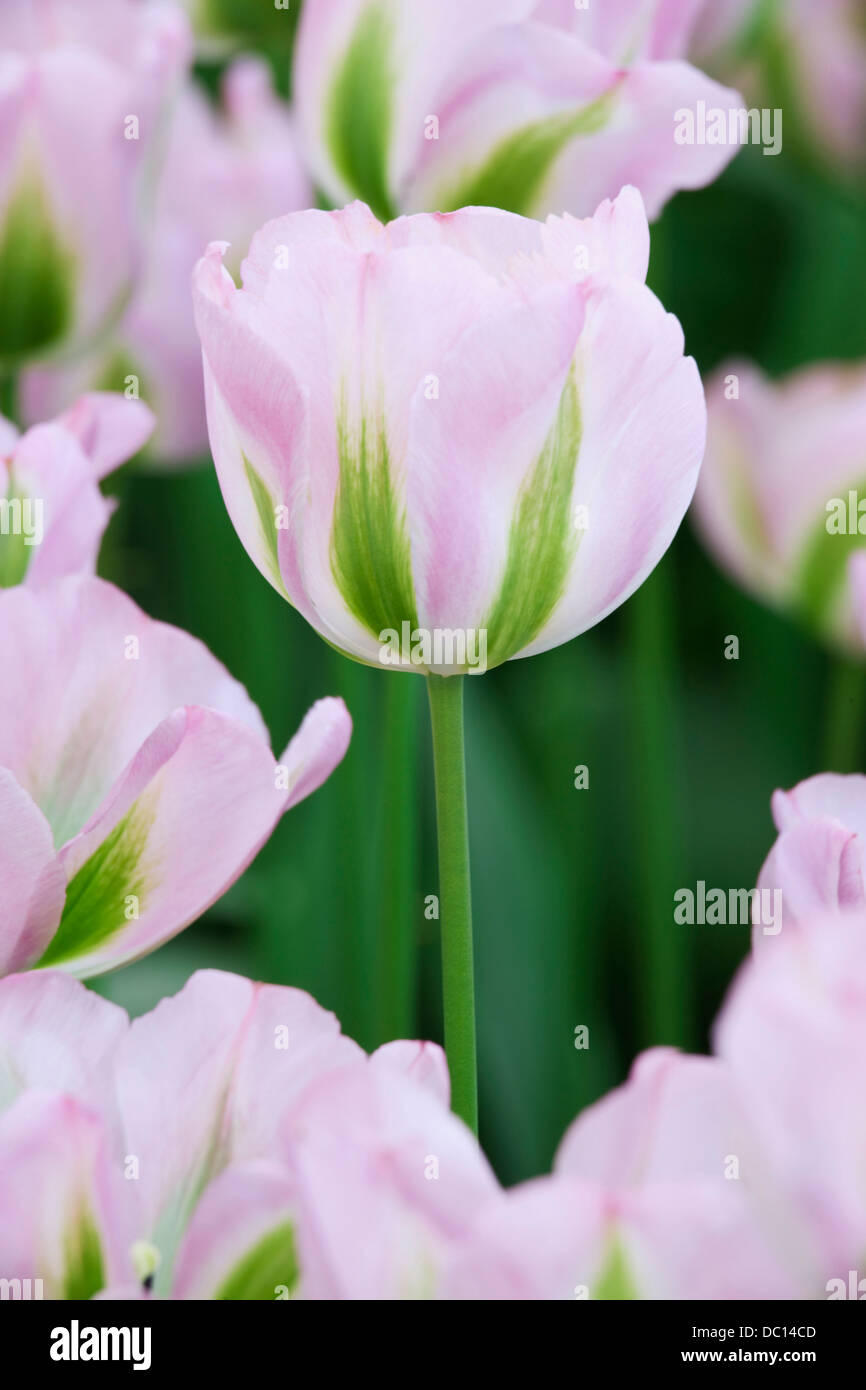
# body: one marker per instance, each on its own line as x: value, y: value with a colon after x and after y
x: 424, y: 1063
x: 193, y: 808
x: 319, y: 745
x: 56, y: 1034
x: 34, y: 884
x: 367, y: 73
x: 642, y: 438
x: 240, y: 1243
x: 59, y: 1218
x: 109, y: 428
x: 63, y: 514
x: 233, y: 1058
x: 506, y: 411
x: 69, y: 738
x: 386, y: 1179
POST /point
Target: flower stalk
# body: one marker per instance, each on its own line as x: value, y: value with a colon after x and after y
x: 455, y: 896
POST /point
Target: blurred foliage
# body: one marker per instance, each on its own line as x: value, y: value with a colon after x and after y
x: 573, y: 888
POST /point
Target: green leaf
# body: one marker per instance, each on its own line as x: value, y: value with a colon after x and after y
x: 37, y: 277
x: 359, y: 112
x: 269, y: 1264
x: 370, y: 554
x: 514, y: 173
x: 84, y: 1271
x: 542, y: 541
x: 96, y: 896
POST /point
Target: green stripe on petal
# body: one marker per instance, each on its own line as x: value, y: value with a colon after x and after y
x: 358, y: 123
x: 14, y: 554
x: 370, y: 553
x: 514, y: 174
x: 542, y: 541
x: 823, y: 572
x: 97, y: 895
x: 267, y: 514
x: 616, y: 1282
x: 271, y: 1264
x: 37, y: 277
x: 84, y: 1270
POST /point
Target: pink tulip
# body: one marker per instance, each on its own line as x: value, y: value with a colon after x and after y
x: 648, y: 1199
x: 386, y: 1183
x: 170, y: 1135
x: 82, y: 85
x: 223, y: 175
x: 819, y: 52
x: 136, y: 777
x: 793, y: 1035
x: 778, y: 501
x: 471, y: 425
x: 816, y: 863
x: 53, y: 516
x: 534, y: 106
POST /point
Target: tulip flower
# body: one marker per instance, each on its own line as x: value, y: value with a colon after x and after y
x: 449, y: 442
x: 646, y: 1201
x: 533, y: 106
x: 136, y: 777
x: 386, y: 1183
x: 810, y: 59
x: 223, y: 175
x: 792, y: 1033
x: 152, y: 1156
x: 71, y: 168
x: 775, y: 503
x: 817, y: 861
x: 52, y: 514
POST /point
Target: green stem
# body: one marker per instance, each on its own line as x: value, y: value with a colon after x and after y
x: 844, y: 715
x: 455, y: 898
x: 397, y: 941
x: 664, y: 949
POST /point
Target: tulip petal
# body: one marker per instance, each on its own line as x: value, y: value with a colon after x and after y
x: 231, y: 1057
x: 386, y: 1179
x: 56, y: 1034
x: 240, y: 1243
x: 34, y: 884
x: 109, y: 428
x: 59, y: 1221
x: 68, y: 739
x: 424, y: 1063
x: 195, y: 805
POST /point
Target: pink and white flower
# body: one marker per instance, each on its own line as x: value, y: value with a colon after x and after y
x: 533, y: 106
x: 52, y: 512
x: 136, y: 777
x: 782, y: 487
x: 224, y: 173
x: 472, y: 422
x: 83, y: 84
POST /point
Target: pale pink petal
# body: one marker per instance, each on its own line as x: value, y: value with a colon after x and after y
x: 56, y: 1034
x: 386, y: 1180
x: 59, y: 1205
x: 245, y: 1206
x: 109, y: 428
x: 423, y: 1062
x: 232, y: 1058
x: 34, y: 884
x: 316, y: 749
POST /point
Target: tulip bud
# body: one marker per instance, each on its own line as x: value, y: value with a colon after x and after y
x: 453, y: 440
